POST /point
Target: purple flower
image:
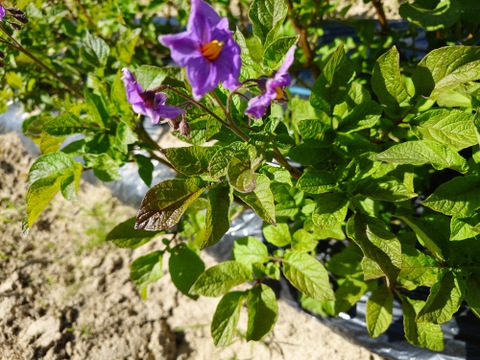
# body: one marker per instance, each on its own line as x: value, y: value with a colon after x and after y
x: 148, y: 103
x: 207, y: 50
x: 271, y: 88
x: 3, y: 12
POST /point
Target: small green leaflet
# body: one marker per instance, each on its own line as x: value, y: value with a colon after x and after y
x: 462, y: 228
x: 388, y: 85
x: 473, y: 293
x: 266, y: 17
x: 379, y: 311
x: 307, y: 275
x: 278, y: 235
x: 185, y: 266
x: 219, y: 279
x: 191, y: 160
x: 95, y: 50
x: 330, y: 210
x: 445, y: 68
x: 68, y: 124
x: 164, y: 204
x: 249, y: 250
x: 459, y: 196
x: 262, y: 312
x: 49, y: 174
x: 225, y: 319
x: 331, y: 87
x: 450, y: 127
x: 317, y: 182
x: 146, y: 270
x: 124, y: 235
x: 377, y: 243
x: 261, y: 199
x: 420, y: 152
x: 217, y: 219
x: 386, y: 188
x: 425, y: 335
x: 444, y: 300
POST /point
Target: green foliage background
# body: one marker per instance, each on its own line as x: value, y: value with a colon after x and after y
x: 381, y: 162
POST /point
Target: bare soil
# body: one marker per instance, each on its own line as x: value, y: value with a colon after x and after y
x: 66, y: 294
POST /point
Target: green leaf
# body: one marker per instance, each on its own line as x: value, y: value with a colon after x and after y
x: 68, y: 124
x: 267, y: 16
x: 347, y: 294
x: 317, y: 182
x: 219, y: 161
x: 387, y: 188
x: 307, y: 275
x: 261, y: 199
x: 450, y: 127
x: 145, y: 168
x: 185, y: 266
x: 441, y: 15
x: 225, y: 319
x: 432, y: 232
x: 331, y: 87
x: 330, y: 210
x: 125, y: 46
x: 346, y: 262
x: 444, y: 300
x: 249, y: 250
x: 379, y: 311
x: 275, y: 51
x: 150, y: 77
x: 95, y: 50
x: 473, y: 294
x: 241, y: 174
x: 422, y: 152
x: 146, y: 269
x: 48, y: 165
x: 219, y: 279
x: 446, y: 68
x: 459, y: 196
x: 377, y: 243
x: 302, y: 240
x: 217, y: 219
x: 425, y: 335
x: 48, y: 175
x: 363, y: 116
x: 164, y: 204
x: 315, y: 133
x: 105, y: 168
x: 388, y: 85
x: 462, y: 228
x: 191, y: 160
x: 418, y: 268
x: 278, y: 235
x: 262, y: 312
x: 39, y: 195
x: 124, y: 235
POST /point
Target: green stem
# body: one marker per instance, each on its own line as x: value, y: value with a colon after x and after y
x: 17, y: 46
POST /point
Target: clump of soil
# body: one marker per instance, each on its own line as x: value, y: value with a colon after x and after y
x: 66, y: 294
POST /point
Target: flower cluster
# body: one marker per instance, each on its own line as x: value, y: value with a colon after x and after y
x: 210, y: 56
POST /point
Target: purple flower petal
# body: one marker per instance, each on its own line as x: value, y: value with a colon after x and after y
x: 272, y: 89
x: 148, y: 103
x: 207, y: 50
x: 3, y: 12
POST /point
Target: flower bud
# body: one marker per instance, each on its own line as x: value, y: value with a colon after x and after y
x: 184, y: 128
x: 15, y: 26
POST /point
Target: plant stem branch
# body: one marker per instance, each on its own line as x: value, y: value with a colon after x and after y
x: 303, y: 41
x: 17, y: 46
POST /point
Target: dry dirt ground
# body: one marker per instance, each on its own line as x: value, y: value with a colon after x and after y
x: 66, y: 294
